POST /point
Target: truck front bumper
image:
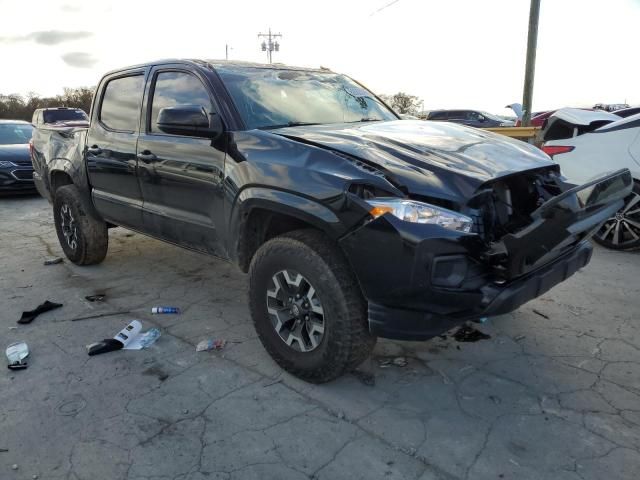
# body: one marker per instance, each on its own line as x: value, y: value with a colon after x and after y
x: 422, y: 280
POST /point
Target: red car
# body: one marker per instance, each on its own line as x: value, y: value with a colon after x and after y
x: 538, y: 118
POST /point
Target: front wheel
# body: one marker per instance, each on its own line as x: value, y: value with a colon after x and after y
x: 83, y: 238
x: 622, y: 231
x: 307, y: 307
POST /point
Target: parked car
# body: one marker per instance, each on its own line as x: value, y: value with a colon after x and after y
x: 60, y: 116
x: 351, y: 223
x: 610, y: 107
x: 470, y: 118
x: 16, y: 172
x: 627, y: 112
x: 588, y: 144
x: 537, y: 119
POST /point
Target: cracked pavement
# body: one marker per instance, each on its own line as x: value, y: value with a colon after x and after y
x: 544, y: 398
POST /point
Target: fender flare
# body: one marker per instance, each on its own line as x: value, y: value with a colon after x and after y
x: 278, y: 201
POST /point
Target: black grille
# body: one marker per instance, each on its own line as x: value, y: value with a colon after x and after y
x: 23, y: 174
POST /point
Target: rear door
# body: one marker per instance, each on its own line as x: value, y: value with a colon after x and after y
x: 459, y: 116
x: 181, y: 176
x: 111, y: 148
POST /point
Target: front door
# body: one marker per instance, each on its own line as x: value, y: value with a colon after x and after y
x: 111, y: 148
x: 181, y: 176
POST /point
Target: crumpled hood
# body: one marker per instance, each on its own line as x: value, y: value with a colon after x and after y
x: 429, y: 158
x: 18, y: 154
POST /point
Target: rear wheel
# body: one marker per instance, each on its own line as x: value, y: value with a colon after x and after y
x: 622, y: 231
x: 83, y: 238
x: 307, y: 307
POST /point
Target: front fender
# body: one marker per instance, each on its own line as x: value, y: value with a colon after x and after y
x: 277, y: 201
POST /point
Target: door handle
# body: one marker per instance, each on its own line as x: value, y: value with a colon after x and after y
x: 146, y: 156
x: 94, y: 150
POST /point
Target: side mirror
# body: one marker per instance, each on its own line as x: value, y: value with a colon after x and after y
x: 189, y: 120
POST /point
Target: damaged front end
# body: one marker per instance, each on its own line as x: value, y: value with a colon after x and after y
x: 533, y: 217
x: 529, y: 233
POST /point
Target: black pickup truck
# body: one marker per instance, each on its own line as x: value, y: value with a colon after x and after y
x: 351, y: 223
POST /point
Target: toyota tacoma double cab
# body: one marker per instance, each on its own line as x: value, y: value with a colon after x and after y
x: 351, y: 223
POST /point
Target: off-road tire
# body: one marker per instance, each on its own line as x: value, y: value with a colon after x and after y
x: 628, y: 241
x: 92, y: 239
x: 346, y: 341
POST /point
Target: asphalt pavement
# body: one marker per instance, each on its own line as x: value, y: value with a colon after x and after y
x: 554, y: 393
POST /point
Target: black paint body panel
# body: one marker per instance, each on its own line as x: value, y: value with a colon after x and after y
x: 199, y: 192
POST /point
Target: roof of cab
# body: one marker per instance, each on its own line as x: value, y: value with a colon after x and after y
x: 218, y: 63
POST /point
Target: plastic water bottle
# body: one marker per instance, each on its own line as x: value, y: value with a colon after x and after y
x: 165, y: 310
x: 149, y: 337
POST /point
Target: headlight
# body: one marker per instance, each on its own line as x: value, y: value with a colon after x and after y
x: 6, y: 164
x: 418, y: 212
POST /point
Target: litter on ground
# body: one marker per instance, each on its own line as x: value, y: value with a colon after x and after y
x: 30, y: 315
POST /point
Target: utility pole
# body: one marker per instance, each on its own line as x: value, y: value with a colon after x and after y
x: 271, y: 44
x: 226, y: 51
x: 530, y: 68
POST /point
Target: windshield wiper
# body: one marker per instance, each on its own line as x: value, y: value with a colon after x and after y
x: 367, y: 120
x: 289, y: 124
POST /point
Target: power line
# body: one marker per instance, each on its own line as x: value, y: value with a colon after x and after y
x: 383, y: 7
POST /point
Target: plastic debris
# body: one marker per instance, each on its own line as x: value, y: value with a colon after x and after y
x: 129, y: 338
x: 16, y: 355
x: 29, y: 316
x: 156, y: 310
x: 467, y: 333
x: 144, y: 340
x: 206, y: 345
x: 53, y: 261
x: 386, y: 362
x: 481, y: 320
x: 400, y: 362
x: 98, y: 297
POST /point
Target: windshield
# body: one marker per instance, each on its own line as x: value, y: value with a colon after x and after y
x: 15, y: 133
x: 271, y: 98
x: 51, y: 116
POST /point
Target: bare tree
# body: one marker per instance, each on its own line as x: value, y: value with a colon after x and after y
x: 402, y: 102
x: 19, y: 107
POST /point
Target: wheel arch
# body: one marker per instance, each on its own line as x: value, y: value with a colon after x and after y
x: 62, y: 172
x: 260, y: 214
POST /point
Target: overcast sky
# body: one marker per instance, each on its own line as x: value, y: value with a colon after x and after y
x: 451, y: 53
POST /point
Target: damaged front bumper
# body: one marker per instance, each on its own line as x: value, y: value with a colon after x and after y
x: 421, y: 280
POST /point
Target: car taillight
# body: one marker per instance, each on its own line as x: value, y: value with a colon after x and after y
x: 552, y: 150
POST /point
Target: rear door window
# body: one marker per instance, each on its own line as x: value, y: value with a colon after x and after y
x: 458, y: 115
x: 120, y: 108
